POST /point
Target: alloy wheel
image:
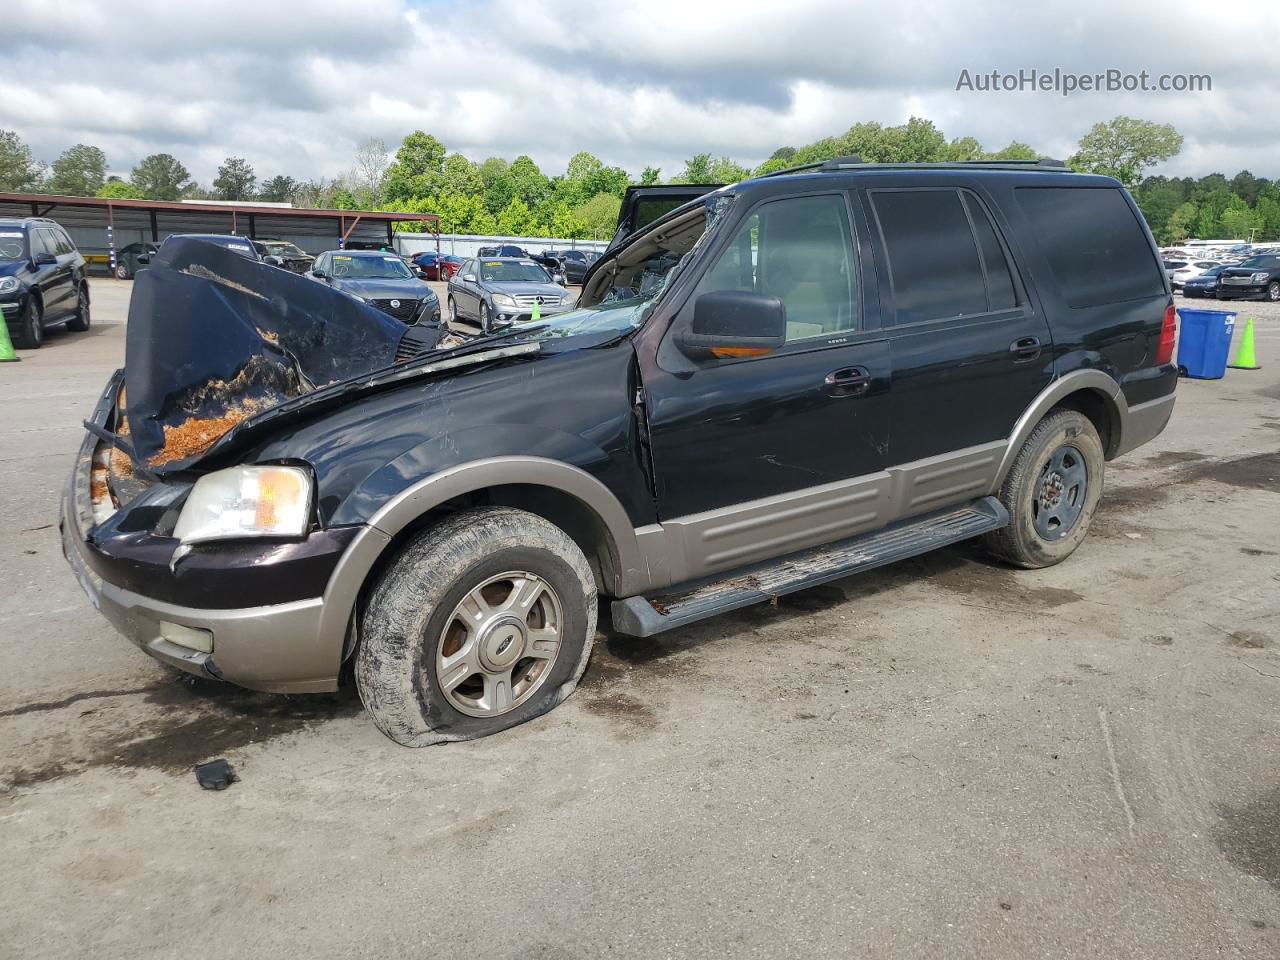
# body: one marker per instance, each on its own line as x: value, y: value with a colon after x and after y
x: 499, y: 644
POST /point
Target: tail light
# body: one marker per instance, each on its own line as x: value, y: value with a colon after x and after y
x: 1168, y: 333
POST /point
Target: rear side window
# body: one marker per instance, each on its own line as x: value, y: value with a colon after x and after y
x: 999, y: 277
x: 1094, y: 244
x: 933, y: 258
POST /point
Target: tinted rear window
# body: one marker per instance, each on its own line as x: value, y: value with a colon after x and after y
x: 1094, y: 244
x: 932, y: 255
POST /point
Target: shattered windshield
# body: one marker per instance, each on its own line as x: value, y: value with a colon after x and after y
x: 11, y: 245
x: 370, y: 268
x: 283, y: 249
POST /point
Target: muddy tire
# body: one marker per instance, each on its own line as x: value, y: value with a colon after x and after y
x: 482, y: 622
x: 80, y: 322
x: 31, y: 329
x: 1051, y: 492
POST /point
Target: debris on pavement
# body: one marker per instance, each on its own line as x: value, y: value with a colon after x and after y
x: 215, y: 775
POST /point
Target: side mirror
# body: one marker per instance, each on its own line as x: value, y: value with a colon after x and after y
x: 43, y: 259
x: 469, y: 278
x: 273, y: 260
x: 319, y: 274
x: 732, y: 324
x: 143, y: 258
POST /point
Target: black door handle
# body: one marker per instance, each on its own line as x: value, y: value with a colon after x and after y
x: 848, y: 381
x: 1025, y: 348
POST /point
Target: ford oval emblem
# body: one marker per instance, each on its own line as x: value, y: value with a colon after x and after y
x: 394, y: 304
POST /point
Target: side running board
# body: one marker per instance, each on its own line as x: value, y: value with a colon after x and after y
x: 645, y: 616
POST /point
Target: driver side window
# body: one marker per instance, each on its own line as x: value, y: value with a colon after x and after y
x: 799, y: 250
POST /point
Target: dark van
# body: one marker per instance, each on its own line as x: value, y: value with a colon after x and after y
x: 786, y: 381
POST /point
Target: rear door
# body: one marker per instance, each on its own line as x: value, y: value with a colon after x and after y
x: 969, y: 350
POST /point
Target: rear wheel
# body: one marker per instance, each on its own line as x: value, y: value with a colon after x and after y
x: 1051, y: 492
x: 80, y: 322
x: 31, y: 332
x: 484, y: 317
x: 484, y: 621
x: 453, y: 309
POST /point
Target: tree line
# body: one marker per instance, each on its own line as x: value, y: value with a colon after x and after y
x: 515, y: 198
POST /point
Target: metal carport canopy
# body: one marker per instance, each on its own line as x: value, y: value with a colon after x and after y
x: 87, y: 219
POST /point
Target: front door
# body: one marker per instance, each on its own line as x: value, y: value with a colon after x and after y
x: 762, y: 456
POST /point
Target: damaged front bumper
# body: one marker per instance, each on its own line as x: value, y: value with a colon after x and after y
x: 290, y: 647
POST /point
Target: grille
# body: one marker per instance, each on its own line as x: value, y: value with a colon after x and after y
x: 529, y: 299
x: 405, y: 311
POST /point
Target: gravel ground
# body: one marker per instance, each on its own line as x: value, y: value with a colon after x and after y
x: 941, y: 758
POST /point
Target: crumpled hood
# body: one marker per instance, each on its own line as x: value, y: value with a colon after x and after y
x: 384, y: 289
x: 215, y: 338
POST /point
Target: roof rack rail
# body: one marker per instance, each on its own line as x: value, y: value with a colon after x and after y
x: 855, y: 162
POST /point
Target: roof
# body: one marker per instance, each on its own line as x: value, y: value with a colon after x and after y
x: 58, y: 200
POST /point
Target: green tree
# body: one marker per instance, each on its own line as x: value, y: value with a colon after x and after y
x: 1247, y: 187
x: 1014, y: 151
x: 19, y: 170
x: 1124, y: 147
x: 1179, y: 225
x: 697, y: 169
x: 724, y: 170
x: 120, y: 190
x: 517, y: 220
x: 416, y: 169
x: 528, y: 181
x: 279, y: 189
x: 160, y: 177
x: 599, y: 215
x: 961, y: 149
x: 649, y: 177
x: 1268, y: 207
x: 80, y: 171
x: 235, y: 180
x: 458, y: 175
x: 1239, y: 221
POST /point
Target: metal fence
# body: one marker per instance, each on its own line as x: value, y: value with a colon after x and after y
x: 465, y: 245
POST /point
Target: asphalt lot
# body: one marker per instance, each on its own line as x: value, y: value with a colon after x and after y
x: 941, y: 758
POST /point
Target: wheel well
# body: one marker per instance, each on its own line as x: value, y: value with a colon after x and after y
x: 1101, y: 413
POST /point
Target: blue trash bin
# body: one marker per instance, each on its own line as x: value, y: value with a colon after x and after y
x: 1204, y: 341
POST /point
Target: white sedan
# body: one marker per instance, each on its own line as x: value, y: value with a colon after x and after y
x: 1190, y: 268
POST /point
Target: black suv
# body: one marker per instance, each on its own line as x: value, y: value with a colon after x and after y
x: 790, y: 380
x: 42, y: 280
x: 1257, y: 278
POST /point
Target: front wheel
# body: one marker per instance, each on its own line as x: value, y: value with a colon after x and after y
x: 31, y: 332
x: 484, y: 621
x: 1273, y: 291
x: 122, y: 271
x: 484, y: 317
x: 1051, y: 492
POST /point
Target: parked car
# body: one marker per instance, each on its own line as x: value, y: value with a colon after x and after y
x: 381, y: 279
x: 549, y: 262
x: 499, y: 292
x: 281, y: 253
x: 1257, y: 278
x: 448, y: 265
x: 746, y: 402
x: 428, y: 263
x: 1204, y: 284
x: 505, y: 250
x: 576, y: 263
x: 42, y: 281
x: 1189, y: 269
x: 131, y: 258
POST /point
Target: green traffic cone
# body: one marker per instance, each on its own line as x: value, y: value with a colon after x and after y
x: 537, y: 312
x: 6, y: 348
x: 1246, y: 357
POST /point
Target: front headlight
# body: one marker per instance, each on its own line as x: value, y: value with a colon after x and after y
x: 247, y: 502
x: 8, y: 284
x: 1256, y: 278
x: 502, y: 300
x: 568, y: 298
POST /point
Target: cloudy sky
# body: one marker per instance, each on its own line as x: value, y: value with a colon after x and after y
x: 293, y: 87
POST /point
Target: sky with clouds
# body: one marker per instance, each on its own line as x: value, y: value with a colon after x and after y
x: 293, y: 87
